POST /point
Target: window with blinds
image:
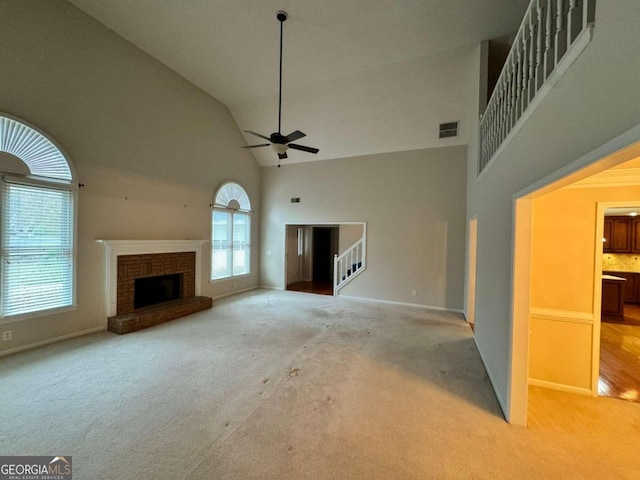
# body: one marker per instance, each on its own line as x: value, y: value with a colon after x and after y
x: 230, y: 232
x: 230, y: 253
x: 37, y: 247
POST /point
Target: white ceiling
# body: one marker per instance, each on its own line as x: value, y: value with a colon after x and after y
x: 360, y: 76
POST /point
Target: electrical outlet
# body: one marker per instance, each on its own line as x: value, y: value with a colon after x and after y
x: 7, y: 335
x: 414, y: 293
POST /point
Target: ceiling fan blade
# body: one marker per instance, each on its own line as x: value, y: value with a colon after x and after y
x: 303, y: 148
x: 256, y: 134
x: 282, y: 156
x: 293, y: 136
x: 256, y: 146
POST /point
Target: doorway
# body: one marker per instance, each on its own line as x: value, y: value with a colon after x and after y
x: 310, y: 250
x: 619, y: 367
x: 322, y: 254
x: 557, y: 275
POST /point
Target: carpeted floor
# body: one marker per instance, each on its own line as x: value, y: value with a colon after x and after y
x: 287, y: 385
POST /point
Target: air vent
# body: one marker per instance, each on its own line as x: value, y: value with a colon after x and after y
x: 295, y: 200
x: 449, y: 129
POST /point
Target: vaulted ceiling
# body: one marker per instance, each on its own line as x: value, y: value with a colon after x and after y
x: 360, y: 76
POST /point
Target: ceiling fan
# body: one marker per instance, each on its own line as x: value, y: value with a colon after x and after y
x: 281, y: 143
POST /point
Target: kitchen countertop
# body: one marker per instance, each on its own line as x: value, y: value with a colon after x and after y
x: 611, y: 277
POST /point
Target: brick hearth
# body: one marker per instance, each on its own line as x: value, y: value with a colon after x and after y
x: 157, y: 314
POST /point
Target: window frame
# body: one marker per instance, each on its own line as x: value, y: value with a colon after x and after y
x: 235, y: 206
x: 55, y: 183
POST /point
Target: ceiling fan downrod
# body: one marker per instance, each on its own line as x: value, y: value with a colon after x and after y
x: 282, y: 17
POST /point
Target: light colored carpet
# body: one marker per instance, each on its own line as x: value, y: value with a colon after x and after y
x: 287, y: 385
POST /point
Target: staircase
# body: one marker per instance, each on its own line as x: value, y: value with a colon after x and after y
x: 349, y: 264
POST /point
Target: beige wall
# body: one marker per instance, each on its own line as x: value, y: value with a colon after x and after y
x: 594, y: 102
x: 349, y: 234
x: 150, y: 147
x: 413, y: 203
x: 562, y: 283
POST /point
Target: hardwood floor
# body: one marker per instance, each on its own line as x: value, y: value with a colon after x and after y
x: 321, y: 288
x: 620, y: 356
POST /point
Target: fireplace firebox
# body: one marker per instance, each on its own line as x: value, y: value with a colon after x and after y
x: 154, y: 290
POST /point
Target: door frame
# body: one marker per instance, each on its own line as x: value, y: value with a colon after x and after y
x: 296, y: 229
x: 470, y: 278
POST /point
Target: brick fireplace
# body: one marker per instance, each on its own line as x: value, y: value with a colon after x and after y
x: 131, y: 261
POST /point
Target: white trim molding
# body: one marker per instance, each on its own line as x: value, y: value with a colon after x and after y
x: 586, y: 318
x: 534, y: 382
x: 41, y: 343
x: 115, y: 248
x: 405, y: 304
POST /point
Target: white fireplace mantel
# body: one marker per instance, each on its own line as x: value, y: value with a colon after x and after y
x: 115, y: 248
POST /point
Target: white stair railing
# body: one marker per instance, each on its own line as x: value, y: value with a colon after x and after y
x: 349, y: 265
x: 549, y: 32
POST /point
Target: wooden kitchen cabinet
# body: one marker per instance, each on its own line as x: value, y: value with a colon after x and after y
x: 606, y: 237
x: 635, y: 236
x: 631, y: 287
x: 621, y: 235
x: 612, y: 294
x: 630, y: 293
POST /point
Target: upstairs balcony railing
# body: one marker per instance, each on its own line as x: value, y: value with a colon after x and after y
x: 552, y: 32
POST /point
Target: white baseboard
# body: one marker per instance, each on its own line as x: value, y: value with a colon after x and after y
x: 559, y: 386
x: 391, y: 302
x: 501, y: 402
x: 269, y: 287
x: 587, y: 318
x: 235, y: 292
x: 50, y: 340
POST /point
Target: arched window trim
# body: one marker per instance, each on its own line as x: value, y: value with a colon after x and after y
x: 58, y: 181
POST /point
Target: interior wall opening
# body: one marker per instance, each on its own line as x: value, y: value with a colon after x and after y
x: 558, y: 335
x: 310, y: 250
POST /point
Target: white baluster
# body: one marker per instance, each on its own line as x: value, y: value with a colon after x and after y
x: 561, y: 34
x: 548, y: 41
x: 351, y: 261
x: 518, y: 82
x: 524, y: 68
x: 588, y: 12
x: 532, y: 56
x: 574, y: 20
x: 541, y: 42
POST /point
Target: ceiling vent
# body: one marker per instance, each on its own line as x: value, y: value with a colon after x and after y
x: 449, y: 129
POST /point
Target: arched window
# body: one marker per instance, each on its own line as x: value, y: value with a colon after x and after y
x: 37, y: 218
x: 230, y: 232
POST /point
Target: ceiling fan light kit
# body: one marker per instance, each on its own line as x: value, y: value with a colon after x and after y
x: 281, y: 143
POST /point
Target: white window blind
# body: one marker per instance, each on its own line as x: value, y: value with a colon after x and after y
x: 241, y: 240
x: 37, y: 248
x: 221, y: 254
x: 230, y: 254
